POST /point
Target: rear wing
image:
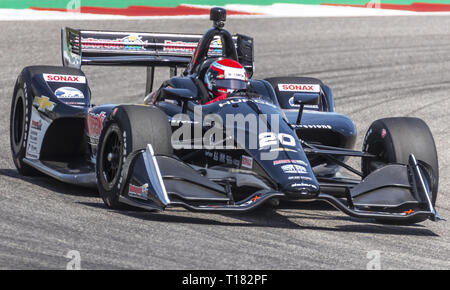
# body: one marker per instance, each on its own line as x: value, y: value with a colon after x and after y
x: 94, y: 47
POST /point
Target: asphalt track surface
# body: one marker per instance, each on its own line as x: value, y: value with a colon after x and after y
x: 377, y: 67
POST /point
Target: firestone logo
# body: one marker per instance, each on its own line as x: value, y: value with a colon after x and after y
x: 95, y: 123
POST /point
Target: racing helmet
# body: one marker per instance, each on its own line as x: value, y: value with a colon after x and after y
x: 223, y: 77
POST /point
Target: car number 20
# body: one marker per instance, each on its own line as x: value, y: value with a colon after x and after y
x: 272, y: 139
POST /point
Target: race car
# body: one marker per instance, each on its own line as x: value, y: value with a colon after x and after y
x: 284, y: 140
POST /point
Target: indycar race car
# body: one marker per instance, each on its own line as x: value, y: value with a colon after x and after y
x: 279, y: 139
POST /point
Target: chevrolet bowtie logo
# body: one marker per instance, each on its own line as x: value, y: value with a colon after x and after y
x: 43, y: 103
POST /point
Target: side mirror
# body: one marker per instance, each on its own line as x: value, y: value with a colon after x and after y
x: 303, y: 99
x: 306, y: 98
x: 180, y: 95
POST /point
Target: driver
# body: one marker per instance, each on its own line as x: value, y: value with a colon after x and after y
x: 223, y: 77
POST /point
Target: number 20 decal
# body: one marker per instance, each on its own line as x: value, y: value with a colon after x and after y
x: 270, y: 138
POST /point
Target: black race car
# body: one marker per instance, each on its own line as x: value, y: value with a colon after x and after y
x: 284, y: 140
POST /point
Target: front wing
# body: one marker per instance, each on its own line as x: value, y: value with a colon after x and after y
x: 394, y: 192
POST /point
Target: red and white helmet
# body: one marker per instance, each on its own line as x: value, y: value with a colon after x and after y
x: 223, y: 77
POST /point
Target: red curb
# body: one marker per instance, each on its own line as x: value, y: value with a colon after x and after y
x: 416, y: 7
x: 180, y: 10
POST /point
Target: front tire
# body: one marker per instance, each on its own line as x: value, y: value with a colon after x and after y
x: 392, y: 140
x: 128, y: 129
x: 20, y: 119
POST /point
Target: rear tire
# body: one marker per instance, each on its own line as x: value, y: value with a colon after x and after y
x: 128, y: 129
x: 394, y: 139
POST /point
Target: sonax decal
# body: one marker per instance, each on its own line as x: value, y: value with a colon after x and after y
x: 299, y: 88
x: 64, y: 78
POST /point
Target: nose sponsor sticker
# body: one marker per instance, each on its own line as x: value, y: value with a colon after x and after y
x: 43, y: 103
x: 299, y: 88
x: 64, y: 78
x: 69, y: 93
x: 138, y: 191
x: 247, y: 162
x: 293, y: 168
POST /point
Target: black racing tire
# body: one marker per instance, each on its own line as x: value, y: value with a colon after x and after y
x: 20, y: 118
x: 129, y: 128
x: 392, y: 140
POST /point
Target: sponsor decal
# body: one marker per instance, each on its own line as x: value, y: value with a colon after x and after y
x: 304, y: 185
x: 138, y: 191
x: 255, y: 198
x: 94, y: 124
x: 179, y: 46
x: 299, y: 88
x: 69, y: 93
x: 246, y: 162
x: 230, y: 73
x: 284, y: 161
x: 318, y: 126
x: 79, y: 104
x: 296, y: 177
x: 33, y: 138
x: 64, y: 78
x: 293, y: 168
x: 177, y: 122
x: 251, y: 200
x: 37, y: 125
x: 43, y: 104
x: 282, y: 149
x: 24, y: 144
x: 189, y: 47
x: 408, y: 212
x: 222, y: 157
x: 216, y: 46
x: 130, y: 42
x: 32, y: 148
x: 267, y: 139
x: 235, y: 74
x: 243, y: 100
